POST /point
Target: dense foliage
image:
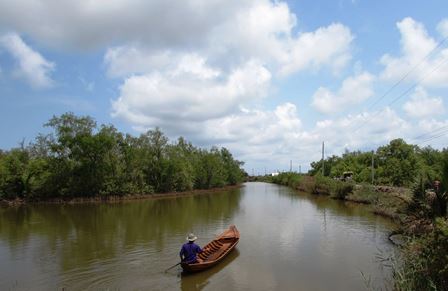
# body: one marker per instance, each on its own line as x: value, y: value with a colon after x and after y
x: 425, y: 256
x: 81, y: 159
x: 395, y: 164
x: 425, y: 260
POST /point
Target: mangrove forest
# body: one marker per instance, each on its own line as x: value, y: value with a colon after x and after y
x: 78, y: 158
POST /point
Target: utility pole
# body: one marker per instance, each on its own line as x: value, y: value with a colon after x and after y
x: 290, y: 166
x: 300, y: 169
x: 373, y: 169
x: 323, y: 160
x: 265, y: 171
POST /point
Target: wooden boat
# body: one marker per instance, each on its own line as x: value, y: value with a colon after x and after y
x: 215, y: 251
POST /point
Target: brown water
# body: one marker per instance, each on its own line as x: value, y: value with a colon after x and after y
x: 289, y: 241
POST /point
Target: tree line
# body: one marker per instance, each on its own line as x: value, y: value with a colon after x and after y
x: 80, y: 159
x: 395, y: 164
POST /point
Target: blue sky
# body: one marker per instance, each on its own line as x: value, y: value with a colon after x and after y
x: 268, y: 80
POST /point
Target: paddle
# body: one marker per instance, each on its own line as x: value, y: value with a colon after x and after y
x: 172, y: 267
x: 178, y: 263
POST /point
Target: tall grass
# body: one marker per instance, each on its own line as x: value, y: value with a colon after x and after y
x: 425, y: 257
x: 425, y: 261
x: 288, y: 179
x: 316, y: 185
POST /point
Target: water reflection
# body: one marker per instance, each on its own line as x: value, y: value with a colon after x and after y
x: 76, y: 237
x: 198, y: 281
x: 289, y: 241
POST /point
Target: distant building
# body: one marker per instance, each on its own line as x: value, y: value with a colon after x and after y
x: 274, y: 174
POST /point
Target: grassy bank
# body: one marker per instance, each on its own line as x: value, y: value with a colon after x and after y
x: 387, y: 201
x: 419, y: 212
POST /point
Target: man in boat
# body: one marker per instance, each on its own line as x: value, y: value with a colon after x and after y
x: 189, y: 250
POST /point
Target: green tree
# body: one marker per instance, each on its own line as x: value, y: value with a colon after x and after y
x: 233, y: 172
x: 78, y: 158
x: 154, y: 144
x: 13, y: 174
x: 399, y: 162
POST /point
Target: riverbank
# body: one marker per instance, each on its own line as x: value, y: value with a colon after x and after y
x: 391, y: 202
x: 113, y: 198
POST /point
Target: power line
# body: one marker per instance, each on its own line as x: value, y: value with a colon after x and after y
x: 403, y: 94
x: 410, y: 71
x: 439, y: 135
x: 430, y: 132
x: 419, y: 82
x: 439, y: 44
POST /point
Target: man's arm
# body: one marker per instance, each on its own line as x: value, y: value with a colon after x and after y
x: 181, y: 253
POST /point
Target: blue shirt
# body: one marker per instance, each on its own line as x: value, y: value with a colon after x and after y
x: 189, y: 251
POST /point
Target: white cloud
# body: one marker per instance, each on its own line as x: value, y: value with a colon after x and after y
x: 259, y: 135
x: 271, y: 138
x: 93, y: 24
x: 179, y: 87
x: 256, y: 127
x: 442, y: 27
x: 431, y: 132
x: 416, y: 44
x: 225, y: 32
x: 265, y: 30
x: 181, y: 97
x: 133, y: 59
x: 354, y: 90
x: 422, y: 105
x: 262, y: 31
x: 34, y: 68
x: 150, y: 35
x: 326, y: 46
x: 278, y: 135
x: 362, y: 130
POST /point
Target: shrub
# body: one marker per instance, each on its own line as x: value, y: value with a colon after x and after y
x: 425, y: 261
x: 324, y: 185
x: 341, y: 189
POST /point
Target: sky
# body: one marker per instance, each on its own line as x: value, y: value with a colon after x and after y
x: 269, y: 80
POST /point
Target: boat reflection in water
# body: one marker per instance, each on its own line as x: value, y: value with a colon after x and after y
x: 198, y: 281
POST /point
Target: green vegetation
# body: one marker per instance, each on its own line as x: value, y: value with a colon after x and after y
x: 316, y: 185
x: 425, y: 256
x: 80, y: 159
x: 395, y: 164
x: 425, y: 260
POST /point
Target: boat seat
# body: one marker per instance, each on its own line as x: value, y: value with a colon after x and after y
x: 218, y: 253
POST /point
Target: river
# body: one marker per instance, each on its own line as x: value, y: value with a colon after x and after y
x: 289, y: 241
